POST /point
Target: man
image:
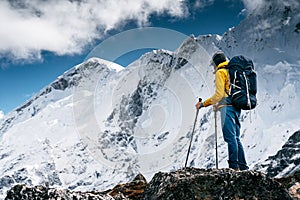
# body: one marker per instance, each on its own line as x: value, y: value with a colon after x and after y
x: 229, y: 114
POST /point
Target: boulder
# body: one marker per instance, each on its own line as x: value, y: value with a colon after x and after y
x: 196, y: 184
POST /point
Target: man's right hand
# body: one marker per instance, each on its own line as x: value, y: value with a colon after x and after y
x: 199, y: 105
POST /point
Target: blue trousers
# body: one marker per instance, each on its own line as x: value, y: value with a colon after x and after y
x: 230, y: 119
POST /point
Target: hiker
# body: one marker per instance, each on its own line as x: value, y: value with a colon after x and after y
x: 229, y: 114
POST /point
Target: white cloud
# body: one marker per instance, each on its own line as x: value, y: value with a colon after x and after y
x: 66, y: 27
x: 202, y: 3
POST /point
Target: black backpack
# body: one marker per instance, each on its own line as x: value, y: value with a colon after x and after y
x: 243, y: 86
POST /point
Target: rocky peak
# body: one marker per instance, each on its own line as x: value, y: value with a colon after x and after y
x: 269, y: 31
x: 285, y: 161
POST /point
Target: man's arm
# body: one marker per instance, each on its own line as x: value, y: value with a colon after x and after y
x: 220, y: 78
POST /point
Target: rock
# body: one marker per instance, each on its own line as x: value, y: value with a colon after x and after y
x: 24, y: 192
x: 132, y: 190
x: 292, y: 184
x: 295, y: 191
x: 191, y: 183
x: 185, y: 184
x: 128, y: 191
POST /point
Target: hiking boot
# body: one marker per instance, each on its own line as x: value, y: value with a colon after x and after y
x: 243, y: 167
x: 235, y: 169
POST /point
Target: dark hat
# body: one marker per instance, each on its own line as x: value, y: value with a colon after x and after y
x: 218, y: 58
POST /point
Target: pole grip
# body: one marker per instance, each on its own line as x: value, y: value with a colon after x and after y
x: 200, y: 99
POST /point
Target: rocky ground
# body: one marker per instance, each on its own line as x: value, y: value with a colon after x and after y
x: 184, y: 184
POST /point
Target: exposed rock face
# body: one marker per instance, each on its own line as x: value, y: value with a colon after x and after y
x: 132, y: 190
x: 286, y: 158
x: 292, y: 183
x: 23, y: 192
x: 195, y: 184
x: 185, y: 184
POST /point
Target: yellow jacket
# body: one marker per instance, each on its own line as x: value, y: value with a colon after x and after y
x: 222, y: 85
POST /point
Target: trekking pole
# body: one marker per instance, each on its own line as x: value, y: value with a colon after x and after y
x: 187, y: 156
x: 216, y: 138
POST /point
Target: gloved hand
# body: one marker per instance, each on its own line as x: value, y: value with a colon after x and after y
x: 215, y: 108
x: 199, y: 105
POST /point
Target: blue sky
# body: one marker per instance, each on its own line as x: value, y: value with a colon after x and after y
x: 37, y: 45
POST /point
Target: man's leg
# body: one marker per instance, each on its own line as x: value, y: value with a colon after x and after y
x: 229, y: 134
x: 241, y: 154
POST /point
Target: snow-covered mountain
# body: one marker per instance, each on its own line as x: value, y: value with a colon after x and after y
x: 100, y: 124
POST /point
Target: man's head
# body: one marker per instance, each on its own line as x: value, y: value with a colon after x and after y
x: 218, y: 58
